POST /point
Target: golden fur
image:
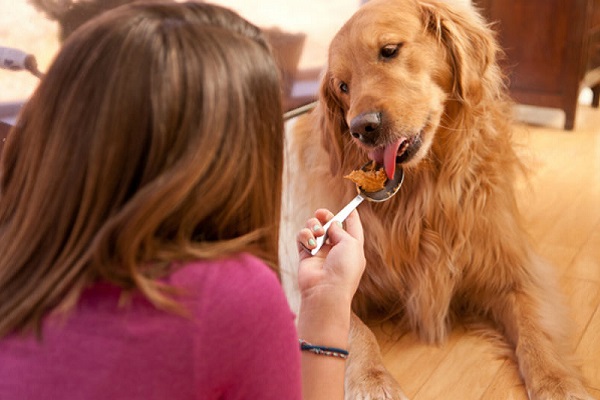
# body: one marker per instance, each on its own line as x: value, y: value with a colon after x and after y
x: 451, y: 242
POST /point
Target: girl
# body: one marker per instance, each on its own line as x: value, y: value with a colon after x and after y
x: 139, y: 207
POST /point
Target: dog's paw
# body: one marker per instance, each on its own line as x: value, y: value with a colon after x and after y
x: 560, y: 389
x: 376, y: 384
x: 560, y: 394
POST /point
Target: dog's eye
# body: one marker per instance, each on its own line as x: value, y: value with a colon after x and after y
x: 390, y: 51
x: 343, y: 87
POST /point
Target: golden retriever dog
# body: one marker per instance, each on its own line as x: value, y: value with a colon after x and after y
x: 415, y: 84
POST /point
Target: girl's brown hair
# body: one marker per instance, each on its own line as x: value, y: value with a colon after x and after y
x: 156, y: 136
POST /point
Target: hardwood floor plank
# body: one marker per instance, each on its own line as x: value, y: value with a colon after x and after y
x: 583, y: 297
x: 409, y: 360
x: 594, y: 392
x: 586, y: 264
x: 564, y: 202
x: 465, y: 373
x: 507, y: 384
x: 560, y: 256
x: 589, y: 351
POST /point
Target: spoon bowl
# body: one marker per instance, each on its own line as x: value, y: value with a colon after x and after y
x: 390, y: 188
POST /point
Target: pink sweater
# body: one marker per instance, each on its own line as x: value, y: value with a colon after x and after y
x: 240, y: 344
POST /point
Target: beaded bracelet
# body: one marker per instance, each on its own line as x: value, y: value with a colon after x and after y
x: 322, y: 350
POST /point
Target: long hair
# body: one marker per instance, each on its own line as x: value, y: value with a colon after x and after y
x: 156, y: 136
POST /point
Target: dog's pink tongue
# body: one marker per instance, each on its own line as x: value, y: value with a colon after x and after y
x: 387, y: 157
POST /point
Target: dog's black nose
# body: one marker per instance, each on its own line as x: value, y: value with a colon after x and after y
x: 365, y: 127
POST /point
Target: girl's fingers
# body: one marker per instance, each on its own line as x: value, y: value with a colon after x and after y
x: 354, y: 226
x: 336, y: 233
x: 323, y: 215
x: 315, y: 226
x: 306, y: 239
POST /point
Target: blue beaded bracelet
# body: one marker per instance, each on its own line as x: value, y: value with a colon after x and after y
x: 322, y: 350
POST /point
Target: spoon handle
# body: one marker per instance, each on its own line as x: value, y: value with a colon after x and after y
x: 341, y: 216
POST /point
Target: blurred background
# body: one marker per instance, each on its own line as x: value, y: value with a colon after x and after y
x: 25, y: 27
x: 300, y: 32
x: 545, y: 71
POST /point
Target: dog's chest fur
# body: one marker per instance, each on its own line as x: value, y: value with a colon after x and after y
x: 432, y: 246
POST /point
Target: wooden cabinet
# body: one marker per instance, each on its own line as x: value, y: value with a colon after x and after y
x: 550, y: 46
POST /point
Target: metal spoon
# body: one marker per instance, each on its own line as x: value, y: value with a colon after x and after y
x: 391, y: 188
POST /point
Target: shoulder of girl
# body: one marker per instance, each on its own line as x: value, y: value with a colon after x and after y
x: 235, y: 272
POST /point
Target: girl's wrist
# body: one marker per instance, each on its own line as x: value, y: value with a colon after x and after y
x: 327, y: 295
x: 324, y: 323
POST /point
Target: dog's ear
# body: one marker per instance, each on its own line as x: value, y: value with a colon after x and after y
x: 471, y: 45
x: 333, y: 125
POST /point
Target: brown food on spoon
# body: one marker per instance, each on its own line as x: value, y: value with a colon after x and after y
x: 369, y: 179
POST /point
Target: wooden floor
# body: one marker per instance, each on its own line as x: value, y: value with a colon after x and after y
x: 562, y: 209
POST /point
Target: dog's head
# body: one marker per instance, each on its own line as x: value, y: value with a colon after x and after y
x: 394, y: 69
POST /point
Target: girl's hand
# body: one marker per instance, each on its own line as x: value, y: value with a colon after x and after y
x: 335, y: 271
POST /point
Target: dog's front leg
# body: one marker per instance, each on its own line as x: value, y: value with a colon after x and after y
x: 366, y: 376
x: 531, y: 326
